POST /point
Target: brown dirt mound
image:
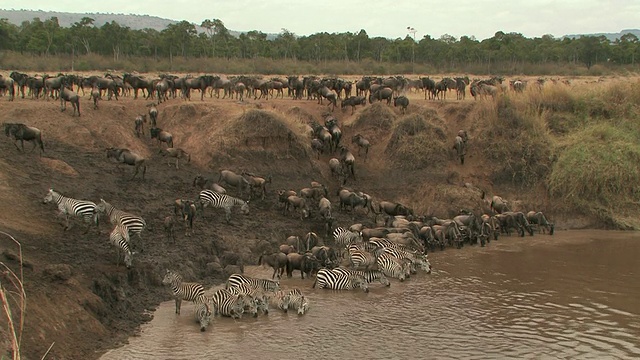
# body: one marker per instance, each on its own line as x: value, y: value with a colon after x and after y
x: 377, y: 116
x: 418, y: 143
x: 300, y: 115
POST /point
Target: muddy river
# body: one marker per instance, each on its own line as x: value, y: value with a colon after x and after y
x: 573, y: 295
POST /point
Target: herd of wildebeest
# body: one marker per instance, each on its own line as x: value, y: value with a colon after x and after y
x: 342, y: 257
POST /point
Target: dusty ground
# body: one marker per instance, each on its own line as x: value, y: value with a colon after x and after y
x: 78, y: 297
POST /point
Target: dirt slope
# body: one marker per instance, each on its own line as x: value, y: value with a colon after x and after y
x: 78, y: 297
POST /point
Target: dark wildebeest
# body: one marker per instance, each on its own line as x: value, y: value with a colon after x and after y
x: 278, y: 261
x: 9, y: 85
x: 362, y: 144
x: 401, y: 101
x: 153, y: 114
x: 139, y: 124
x: 162, y: 136
x: 499, y: 205
x: 20, y: 80
x: 382, y: 93
x: 538, y: 219
x: 176, y: 153
x: 348, y: 162
x: 95, y: 96
x: 324, y: 92
x: 67, y: 94
x: 23, y: 132
x: 460, y: 148
x: 128, y: 157
x: 353, y: 101
x: 429, y: 87
x: 317, y: 146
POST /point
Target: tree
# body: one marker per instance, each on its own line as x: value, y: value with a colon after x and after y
x: 214, y: 27
x: 181, y: 34
x: 85, y: 32
x: 8, y: 35
x: 114, y: 36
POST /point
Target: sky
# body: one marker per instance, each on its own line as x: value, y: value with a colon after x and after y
x: 390, y: 19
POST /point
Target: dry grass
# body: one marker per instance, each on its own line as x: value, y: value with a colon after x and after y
x: 376, y: 116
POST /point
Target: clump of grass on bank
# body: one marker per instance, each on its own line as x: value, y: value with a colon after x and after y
x: 598, y: 171
x: 417, y: 143
x: 515, y: 140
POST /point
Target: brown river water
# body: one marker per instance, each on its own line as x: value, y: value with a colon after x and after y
x: 575, y: 294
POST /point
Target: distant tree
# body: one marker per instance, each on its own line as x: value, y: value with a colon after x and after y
x: 85, y: 32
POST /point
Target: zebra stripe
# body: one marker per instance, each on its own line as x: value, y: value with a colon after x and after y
x: 87, y: 210
x: 263, y: 284
x: 329, y: 279
x: 227, y: 304
x: 393, y: 267
x: 360, y: 257
x: 216, y: 200
x: 280, y: 300
x: 202, y: 314
x: 255, y: 294
x: 416, y: 259
x: 119, y: 237
x: 134, y: 224
x: 369, y: 275
x: 343, y: 238
x: 183, y: 291
x: 298, y: 302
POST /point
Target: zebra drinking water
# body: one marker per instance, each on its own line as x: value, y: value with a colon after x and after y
x: 255, y: 294
x: 134, y: 224
x: 216, y: 200
x: 226, y: 303
x: 202, y: 314
x: 330, y: 279
x: 369, y: 275
x: 298, y: 302
x: 120, y: 238
x: 67, y: 206
x: 184, y: 291
x: 343, y: 238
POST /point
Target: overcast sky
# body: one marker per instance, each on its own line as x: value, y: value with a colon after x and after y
x: 479, y: 18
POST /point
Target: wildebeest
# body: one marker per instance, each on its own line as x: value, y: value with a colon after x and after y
x: 317, y: 146
x: 231, y: 178
x: 362, y: 144
x: 324, y: 92
x: 295, y: 202
x: 153, y: 114
x: 401, y: 101
x: 382, y: 93
x: 353, y: 101
x: 67, y: 94
x: 9, y: 85
x: 460, y: 148
x: 278, y: 261
x: 162, y: 136
x: 23, y: 132
x: 95, y: 96
x: 336, y: 169
x: 257, y: 184
x: 139, y: 124
x: 348, y: 162
x: 499, y: 205
x: 128, y: 157
x: 306, y: 263
x: 541, y: 222
x: 176, y: 153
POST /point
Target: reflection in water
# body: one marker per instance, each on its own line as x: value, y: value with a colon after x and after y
x: 571, y: 295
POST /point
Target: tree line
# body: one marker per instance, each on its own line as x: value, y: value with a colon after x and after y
x: 182, y: 39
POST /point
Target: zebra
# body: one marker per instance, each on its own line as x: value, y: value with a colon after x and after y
x: 226, y: 303
x: 85, y: 209
x: 257, y: 295
x: 263, y: 284
x: 183, y: 291
x: 298, y: 302
x: 119, y: 237
x: 393, y: 267
x: 330, y: 279
x: 280, y: 300
x: 343, y: 238
x: 134, y: 224
x: 369, y: 275
x: 210, y: 197
x: 420, y: 260
x: 202, y: 314
x: 360, y: 257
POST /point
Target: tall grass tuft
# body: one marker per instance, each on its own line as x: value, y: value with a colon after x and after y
x: 418, y: 142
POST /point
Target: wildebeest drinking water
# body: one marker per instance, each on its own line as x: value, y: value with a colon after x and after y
x: 128, y: 157
x: 23, y: 132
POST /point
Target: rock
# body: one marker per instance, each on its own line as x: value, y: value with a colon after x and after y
x: 232, y: 269
x: 58, y: 272
x: 214, y: 269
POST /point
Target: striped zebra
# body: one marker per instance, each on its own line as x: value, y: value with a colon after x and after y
x: 183, y: 291
x: 134, y: 224
x: 280, y: 300
x: 343, y: 238
x: 216, y: 200
x: 255, y: 294
x: 330, y: 279
x: 369, y: 275
x: 298, y: 302
x: 417, y: 259
x: 263, y: 284
x: 68, y: 207
x: 202, y: 314
x: 119, y: 237
x: 393, y: 267
x: 228, y: 304
x: 360, y: 257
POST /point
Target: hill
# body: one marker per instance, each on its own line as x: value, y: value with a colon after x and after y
x: 81, y: 300
x: 610, y: 36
